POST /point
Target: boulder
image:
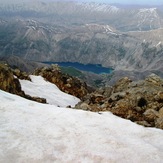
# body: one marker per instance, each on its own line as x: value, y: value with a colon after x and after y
x: 83, y: 106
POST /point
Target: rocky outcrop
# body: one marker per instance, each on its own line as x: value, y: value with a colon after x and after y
x: 9, y: 82
x: 66, y: 83
x: 21, y: 75
x: 140, y: 102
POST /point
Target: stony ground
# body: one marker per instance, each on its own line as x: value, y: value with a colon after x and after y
x: 140, y: 102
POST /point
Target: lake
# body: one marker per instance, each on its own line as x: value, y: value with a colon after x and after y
x: 95, y: 68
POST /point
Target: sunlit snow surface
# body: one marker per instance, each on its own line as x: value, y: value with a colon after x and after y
x: 31, y: 132
x: 41, y: 88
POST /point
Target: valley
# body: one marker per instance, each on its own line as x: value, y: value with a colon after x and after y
x: 126, y: 38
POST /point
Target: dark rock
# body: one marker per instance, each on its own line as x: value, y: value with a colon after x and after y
x: 37, y: 99
x: 144, y: 123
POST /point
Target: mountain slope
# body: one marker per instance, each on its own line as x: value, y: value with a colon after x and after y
x: 33, y: 132
x: 123, y: 18
x: 126, y: 38
x: 89, y: 43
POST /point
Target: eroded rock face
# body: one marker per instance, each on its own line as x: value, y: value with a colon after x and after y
x: 9, y: 82
x: 140, y: 101
x: 66, y: 83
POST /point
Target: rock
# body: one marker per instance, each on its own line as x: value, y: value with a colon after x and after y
x: 121, y: 85
x: 82, y: 106
x: 144, y: 123
x: 159, y: 123
x: 159, y: 96
x: 161, y: 113
x: 106, y: 91
x: 117, y: 96
x: 139, y: 109
x: 69, y: 106
x: 125, y: 110
x: 37, y: 99
x: 153, y: 105
x: 55, y: 67
x: 96, y: 98
x: 11, y: 84
x: 21, y: 75
x: 150, y: 115
x: 66, y: 83
x: 8, y: 82
x: 154, y: 79
x: 139, y: 101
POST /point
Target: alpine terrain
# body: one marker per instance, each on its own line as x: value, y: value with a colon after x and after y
x: 105, y: 106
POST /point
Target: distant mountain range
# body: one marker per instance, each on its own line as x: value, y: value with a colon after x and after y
x: 123, y: 37
x: 122, y: 18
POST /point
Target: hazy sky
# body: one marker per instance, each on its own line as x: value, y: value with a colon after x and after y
x: 146, y: 2
x: 138, y: 2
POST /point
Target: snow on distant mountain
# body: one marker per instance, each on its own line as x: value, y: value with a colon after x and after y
x: 123, y: 18
x: 149, y: 15
x: 101, y: 7
x: 34, y: 132
x: 44, y: 89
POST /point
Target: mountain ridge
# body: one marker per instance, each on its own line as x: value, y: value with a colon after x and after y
x: 82, y: 12
x: 129, y: 40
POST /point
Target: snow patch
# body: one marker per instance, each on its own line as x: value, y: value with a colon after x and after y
x: 151, y: 10
x: 34, y: 132
x: 159, y: 44
x: 100, y: 7
x: 44, y: 89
